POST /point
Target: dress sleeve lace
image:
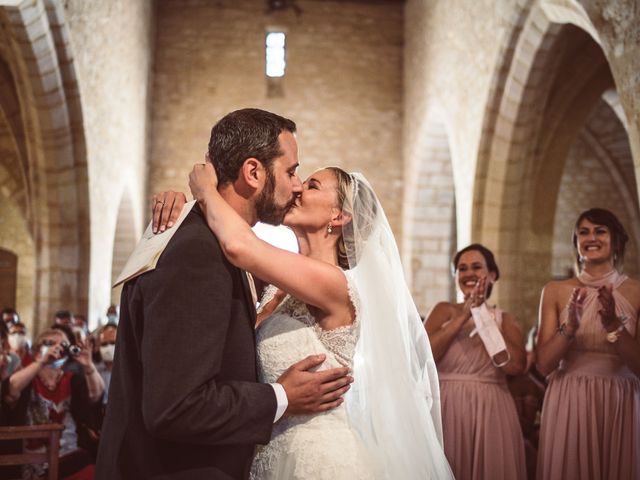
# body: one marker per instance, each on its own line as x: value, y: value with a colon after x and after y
x: 342, y: 341
x: 268, y: 294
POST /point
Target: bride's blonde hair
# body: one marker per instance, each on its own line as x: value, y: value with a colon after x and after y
x: 349, y: 194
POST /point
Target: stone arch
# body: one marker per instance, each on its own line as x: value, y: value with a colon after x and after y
x: 16, y: 238
x: 552, y: 82
x: 598, y: 172
x: 124, y: 241
x: 430, y: 216
x: 48, y: 130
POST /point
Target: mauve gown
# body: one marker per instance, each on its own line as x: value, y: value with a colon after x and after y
x: 482, y: 435
x: 591, y: 413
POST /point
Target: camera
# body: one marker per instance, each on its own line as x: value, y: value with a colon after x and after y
x: 70, y: 350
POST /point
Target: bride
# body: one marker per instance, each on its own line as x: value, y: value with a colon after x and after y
x: 345, y: 297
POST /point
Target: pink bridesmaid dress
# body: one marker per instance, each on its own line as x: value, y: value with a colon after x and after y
x: 591, y: 413
x: 482, y: 435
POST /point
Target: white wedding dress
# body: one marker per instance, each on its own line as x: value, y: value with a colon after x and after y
x: 310, y: 447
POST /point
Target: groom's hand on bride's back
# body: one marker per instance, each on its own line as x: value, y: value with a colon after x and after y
x: 313, y: 392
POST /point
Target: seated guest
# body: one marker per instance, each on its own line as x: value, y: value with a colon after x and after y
x: 9, y: 361
x: 63, y: 317
x: 9, y: 316
x: 19, y: 343
x: 112, y: 314
x: 44, y: 393
x: 80, y: 321
x: 107, y: 344
x: 482, y: 435
x: 78, y: 364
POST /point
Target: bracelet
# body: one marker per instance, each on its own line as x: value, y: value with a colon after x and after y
x: 565, y: 334
x: 614, y: 335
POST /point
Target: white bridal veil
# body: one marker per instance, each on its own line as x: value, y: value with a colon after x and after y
x: 394, y: 402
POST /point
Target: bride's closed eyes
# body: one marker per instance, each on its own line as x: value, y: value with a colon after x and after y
x: 313, y: 184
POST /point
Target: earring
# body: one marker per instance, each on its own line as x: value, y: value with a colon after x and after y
x: 329, y: 228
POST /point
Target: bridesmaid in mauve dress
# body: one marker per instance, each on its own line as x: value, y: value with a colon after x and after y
x: 482, y: 434
x: 589, y: 347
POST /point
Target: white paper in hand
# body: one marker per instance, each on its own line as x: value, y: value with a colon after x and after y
x: 489, y: 333
x: 146, y: 254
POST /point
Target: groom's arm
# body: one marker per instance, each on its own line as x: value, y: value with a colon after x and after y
x: 188, y: 308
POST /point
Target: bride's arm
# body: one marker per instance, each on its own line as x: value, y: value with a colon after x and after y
x: 270, y: 306
x: 166, y: 208
x: 312, y: 281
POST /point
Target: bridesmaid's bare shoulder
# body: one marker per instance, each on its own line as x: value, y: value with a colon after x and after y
x: 560, y: 288
x: 631, y: 291
x: 632, y: 284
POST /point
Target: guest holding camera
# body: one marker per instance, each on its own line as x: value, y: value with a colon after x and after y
x: 80, y: 364
x: 44, y: 392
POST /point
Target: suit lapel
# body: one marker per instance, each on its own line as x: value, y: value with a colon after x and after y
x: 248, y: 297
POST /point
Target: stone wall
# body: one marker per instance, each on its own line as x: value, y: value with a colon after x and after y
x: 598, y: 173
x: 15, y: 237
x: 113, y: 46
x: 512, y: 83
x: 343, y: 84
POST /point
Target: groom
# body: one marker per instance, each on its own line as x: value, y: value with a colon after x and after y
x: 184, y: 401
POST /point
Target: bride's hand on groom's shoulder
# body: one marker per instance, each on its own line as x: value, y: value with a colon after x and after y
x: 202, y: 179
x: 166, y: 208
x: 314, y: 392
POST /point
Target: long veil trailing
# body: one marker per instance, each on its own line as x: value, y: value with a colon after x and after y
x: 394, y: 402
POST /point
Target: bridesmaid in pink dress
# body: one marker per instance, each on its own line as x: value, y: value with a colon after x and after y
x: 482, y: 435
x: 589, y: 347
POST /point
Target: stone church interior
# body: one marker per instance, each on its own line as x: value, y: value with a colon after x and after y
x: 476, y: 121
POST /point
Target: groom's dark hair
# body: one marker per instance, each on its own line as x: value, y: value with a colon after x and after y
x: 246, y: 133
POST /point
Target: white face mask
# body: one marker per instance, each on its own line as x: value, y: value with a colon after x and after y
x: 107, y: 352
x: 58, y: 363
x: 490, y: 334
x: 17, y: 340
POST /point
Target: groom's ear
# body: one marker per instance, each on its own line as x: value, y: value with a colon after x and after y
x: 252, y: 173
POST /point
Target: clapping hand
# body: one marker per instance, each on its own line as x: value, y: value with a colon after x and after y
x: 575, y: 309
x: 472, y: 300
x: 608, y: 311
x: 476, y: 297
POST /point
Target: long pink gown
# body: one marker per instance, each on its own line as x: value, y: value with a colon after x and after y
x: 482, y: 435
x: 591, y: 412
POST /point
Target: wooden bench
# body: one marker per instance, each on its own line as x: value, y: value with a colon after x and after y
x: 50, y: 432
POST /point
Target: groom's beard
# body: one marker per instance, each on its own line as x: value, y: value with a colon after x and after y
x: 266, y: 207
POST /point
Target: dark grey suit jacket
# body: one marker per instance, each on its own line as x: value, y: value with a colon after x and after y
x: 184, y: 402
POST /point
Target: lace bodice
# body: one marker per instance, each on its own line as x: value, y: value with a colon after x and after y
x: 340, y: 342
x: 321, y: 446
